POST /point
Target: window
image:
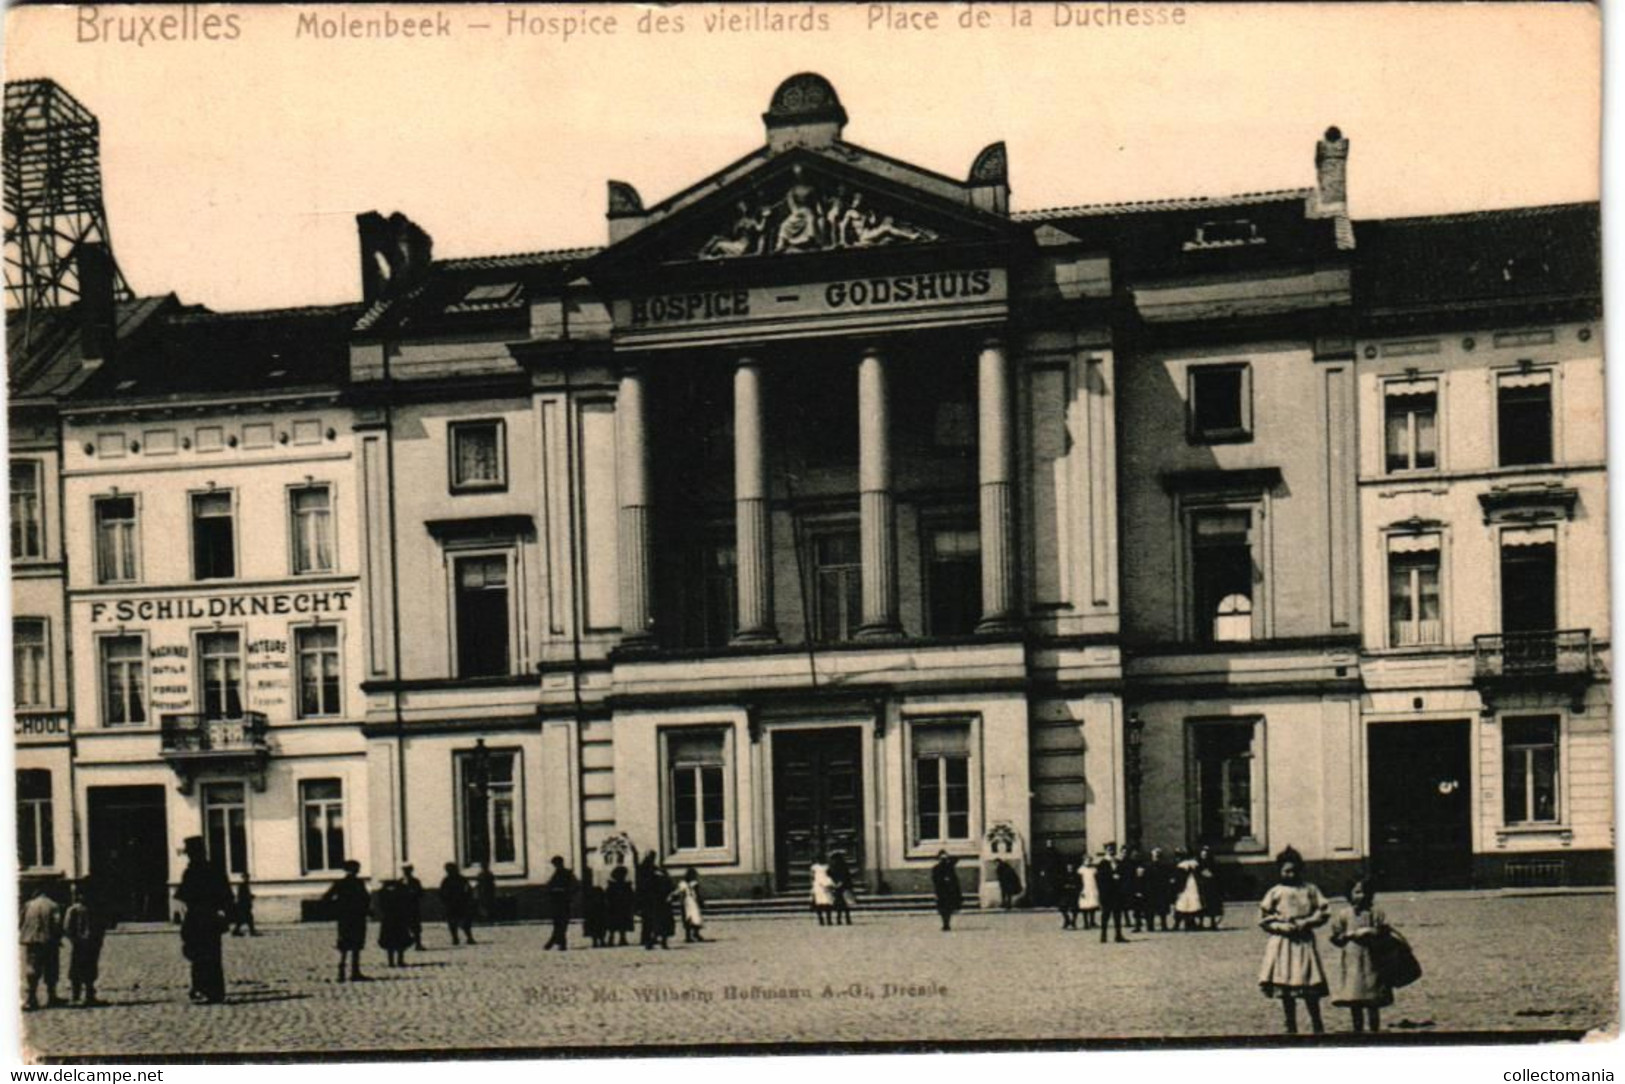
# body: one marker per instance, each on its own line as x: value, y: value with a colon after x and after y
x: 318, y: 651
x: 712, y: 622
x: 124, y: 681
x: 698, y: 804
x: 478, y: 458
x: 214, y: 543
x: 321, y: 804
x: 482, y: 615
x: 36, y: 840
x: 1226, y: 791
x: 1413, y: 591
x: 225, y: 826
x: 488, y: 780
x: 1222, y: 575
x: 1523, y: 406
x: 953, y: 581
x: 1220, y: 403
x: 941, y: 782
x: 30, y: 668
x: 310, y: 509
x: 220, y: 668
x: 1529, y: 580
x: 27, y: 537
x: 838, y: 585
x: 1529, y: 770
x: 115, y: 540
x: 1411, y: 412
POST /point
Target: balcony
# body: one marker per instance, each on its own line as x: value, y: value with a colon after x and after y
x: 193, y: 742
x: 1534, y: 661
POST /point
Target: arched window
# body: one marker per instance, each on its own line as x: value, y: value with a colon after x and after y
x: 1234, y: 619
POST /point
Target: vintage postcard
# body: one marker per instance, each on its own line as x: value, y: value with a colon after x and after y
x: 744, y: 528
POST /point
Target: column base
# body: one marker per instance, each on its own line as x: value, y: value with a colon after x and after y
x: 880, y: 632
x: 746, y: 637
x: 988, y: 626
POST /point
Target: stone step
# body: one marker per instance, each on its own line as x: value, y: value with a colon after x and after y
x: 799, y: 904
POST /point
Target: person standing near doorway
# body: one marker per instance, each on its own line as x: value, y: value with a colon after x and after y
x: 561, y: 891
x: 845, y: 891
x: 457, y: 901
x: 41, y: 938
x: 85, y: 929
x: 206, y: 895
x: 945, y: 884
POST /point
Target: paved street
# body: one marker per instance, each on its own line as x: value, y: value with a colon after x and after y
x: 1492, y: 963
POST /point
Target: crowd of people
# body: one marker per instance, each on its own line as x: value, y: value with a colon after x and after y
x: 1104, y: 891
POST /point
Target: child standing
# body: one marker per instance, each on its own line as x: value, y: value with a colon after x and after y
x: 1289, y: 913
x: 1089, y: 892
x: 1359, y: 988
x: 823, y: 893
x: 85, y: 931
x: 841, y: 874
x: 690, y: 904
x: 622, y: 904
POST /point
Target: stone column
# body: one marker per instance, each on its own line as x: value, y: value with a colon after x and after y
x: 752, y: 533
x: 994, y: 471
x: 877, y: 516
x: 632, y: 485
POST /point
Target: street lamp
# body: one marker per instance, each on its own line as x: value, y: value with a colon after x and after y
x: 1134, y: 771
x: 480, y: 815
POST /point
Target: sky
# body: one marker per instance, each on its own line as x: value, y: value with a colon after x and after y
x: 233, y: 170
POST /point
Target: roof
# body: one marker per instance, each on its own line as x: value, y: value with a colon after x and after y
x: 1185, y: 203
x: 1547, y: 253
x: 43, y: 348
x: 469, y: 289
x: 196, y: 352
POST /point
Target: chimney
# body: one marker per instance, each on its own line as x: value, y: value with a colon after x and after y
x: 98, y: 328
x: 1332, y: 171
x: 395, y: 254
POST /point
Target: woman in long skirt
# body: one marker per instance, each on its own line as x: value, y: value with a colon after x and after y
x: 1188, y: 905
x: 1290, y: 912
x: 689, y: 904
x: 1207, y: 882
x: 1359, y: 988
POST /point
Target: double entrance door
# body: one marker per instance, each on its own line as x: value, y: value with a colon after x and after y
x: 817, y: 801
x: 129, y: 851
x: 1421, y: 805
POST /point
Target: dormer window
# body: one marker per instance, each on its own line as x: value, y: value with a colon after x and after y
x: 1225, y: 233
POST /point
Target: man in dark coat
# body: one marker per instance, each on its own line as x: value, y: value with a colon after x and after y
x: 1160, y: 888
x: 412, y: 904
x: 1111, y: 883
x: 351, y: 904
x: 485, y: 890
x: 1048, y: 869
x: 561, y: 891
x: 457, y: 901
x: 207, y: 898
x: 622, y: 903
x: 654, y: 902
x: 945, y: 883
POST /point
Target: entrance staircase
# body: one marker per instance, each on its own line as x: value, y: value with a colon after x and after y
x: 798, y: 905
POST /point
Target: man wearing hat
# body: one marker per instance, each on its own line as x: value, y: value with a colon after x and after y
x: 351, y: 903
x: 414, y: 905
x: 207, y: 898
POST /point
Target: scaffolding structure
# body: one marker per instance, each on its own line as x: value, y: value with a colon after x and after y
x: 53, y: 197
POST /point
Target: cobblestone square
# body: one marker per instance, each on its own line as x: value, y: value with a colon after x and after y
x: 1493, y: 963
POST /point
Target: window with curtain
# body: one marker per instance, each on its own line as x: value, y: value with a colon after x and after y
x: 311, y: 509
x: 36, y: 839
x: 490, y: 805
x: 1226, y: 783
x: 941, y: 753
x: 124, y: 684
x: 321, y: 804
x: 1411, y: 434
x: 27, y: 523
x: 317, y: 648
x: 1222, y: 575
x: 225, y: 826
x: 1529, y: 770
x: 1523, y: 408
x: 115, y: 539
x: 1413, y: 591
x: 214, y: 536
x: 696, y: 765
x: 30, y: 668
x: 483, y: 615
x: 478, y: 458
x: 220, y: 671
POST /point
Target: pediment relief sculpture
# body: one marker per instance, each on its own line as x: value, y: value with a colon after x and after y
x: 808, y: 218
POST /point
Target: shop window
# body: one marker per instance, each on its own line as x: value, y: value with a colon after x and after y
x: 1226, y: 783
x: 696, y: 765
x: 483, y: 615
x: 317, y: 649
x: 1411, y: 425
x: 225, y: 826
x: 837, y: 585
x: 124, y: 683
x: 36, y: 838
x: 321, y: 805
x: 953, y: 577
x: 478, y: 456
x: 1223, y: 576
x: 1523, y: 405
x: 941, y: 753
x: 30, y: 666
x: 1220, y: 398
x: 214, y: 536
x: 1529, y: 770
x: 27, y: 520
x: 220, y: 671
x: 116, y: 537
x: 488, y: 783
x: 1413, y: 591
x: 310, y: 510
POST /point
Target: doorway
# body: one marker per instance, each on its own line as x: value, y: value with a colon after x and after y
x: 129, y: 851
x: 1421, y: 805
x: 817, y: 801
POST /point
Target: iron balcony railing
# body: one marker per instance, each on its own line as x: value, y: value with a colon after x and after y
x: 196, y: 733
x: 1533, y: 654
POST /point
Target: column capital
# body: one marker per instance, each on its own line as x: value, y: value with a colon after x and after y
x: 993, y: 340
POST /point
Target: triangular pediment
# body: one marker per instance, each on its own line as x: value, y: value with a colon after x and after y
x: 803, y: 203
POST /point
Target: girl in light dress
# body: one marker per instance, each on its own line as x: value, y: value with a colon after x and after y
x: 1359, y: 988
x: 687, y: 896
x: 1290, y: 913
x: 823, y: 892
x: 1188, y: 906
x: 1089, y: 898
